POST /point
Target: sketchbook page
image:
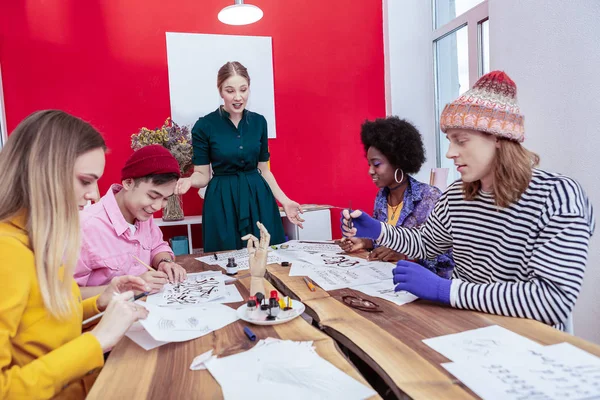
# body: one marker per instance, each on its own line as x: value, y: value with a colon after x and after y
x: 385, y: 290
x: 181, y: 324
x: 196, y: 289
x: 230, y: 293
x: 560, y: 371
x: 275, y: 367
x: 483, y: 342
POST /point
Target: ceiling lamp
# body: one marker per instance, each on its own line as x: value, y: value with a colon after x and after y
x: 240, y: 14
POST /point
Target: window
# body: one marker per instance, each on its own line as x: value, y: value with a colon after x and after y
x: 461, y: 56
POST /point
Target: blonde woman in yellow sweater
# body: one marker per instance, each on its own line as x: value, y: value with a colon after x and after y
x: 50, y: 165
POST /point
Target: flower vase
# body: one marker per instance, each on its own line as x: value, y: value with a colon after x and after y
x: 173, y: 211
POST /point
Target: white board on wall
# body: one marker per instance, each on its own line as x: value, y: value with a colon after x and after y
x: 193, y: 62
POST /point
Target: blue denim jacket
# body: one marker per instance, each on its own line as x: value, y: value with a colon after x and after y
x: 419, y: 200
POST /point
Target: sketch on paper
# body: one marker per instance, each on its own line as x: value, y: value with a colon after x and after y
x: 166, y: 324
x: 193, y: 291
x: 339, y: 260
x: 559, y: 371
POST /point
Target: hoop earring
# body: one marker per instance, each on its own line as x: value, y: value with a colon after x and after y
x: 396, y: 175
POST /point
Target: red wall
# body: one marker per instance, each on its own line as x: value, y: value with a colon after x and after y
x: 105, y: 61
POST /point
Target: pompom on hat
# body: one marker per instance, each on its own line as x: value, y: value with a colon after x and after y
x: 490, y: 107
x: 150, y: 160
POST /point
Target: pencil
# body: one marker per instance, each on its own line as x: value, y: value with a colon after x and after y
x: 309, y: 284
x: 143, y: 263
x: 99, y: 315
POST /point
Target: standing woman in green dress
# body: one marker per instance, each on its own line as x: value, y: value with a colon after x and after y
x: 242, y: 190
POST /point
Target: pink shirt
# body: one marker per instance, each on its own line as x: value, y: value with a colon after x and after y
x: 108, y: 243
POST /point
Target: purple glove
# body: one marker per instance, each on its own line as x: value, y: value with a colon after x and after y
x: 366, y: 227
x: 421, y: 282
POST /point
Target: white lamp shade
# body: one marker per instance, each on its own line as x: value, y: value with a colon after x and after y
x: 240, y: 14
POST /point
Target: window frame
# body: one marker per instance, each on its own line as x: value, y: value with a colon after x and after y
x: 472, y: 19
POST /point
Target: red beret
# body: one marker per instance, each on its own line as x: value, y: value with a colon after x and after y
x: 150, y: 160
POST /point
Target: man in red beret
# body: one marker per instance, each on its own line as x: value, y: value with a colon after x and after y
x: 120, y: 226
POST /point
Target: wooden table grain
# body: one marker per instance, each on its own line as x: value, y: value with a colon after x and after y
x: 163, y: 373
x: 390, y: 342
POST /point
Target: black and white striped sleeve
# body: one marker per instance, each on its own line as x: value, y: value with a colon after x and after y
x: 426, y: 242
x: 555, y: 270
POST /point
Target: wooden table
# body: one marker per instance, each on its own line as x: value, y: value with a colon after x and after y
x: 164, y: 373
x: 391, y: 342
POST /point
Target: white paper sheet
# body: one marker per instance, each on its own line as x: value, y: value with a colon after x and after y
x: 276, y: 368
x: 226, y: 293
x: 142, y: 338
x: 336, y: 278
x: 167, y: 324
x: 312, y: 247
x: 385, y: 290
x: 241, y: 259
x: 556, y: 372
x: 483, y: 342
x: 332, y: 260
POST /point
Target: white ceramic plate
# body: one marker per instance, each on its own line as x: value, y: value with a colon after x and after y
x: 259, y: 317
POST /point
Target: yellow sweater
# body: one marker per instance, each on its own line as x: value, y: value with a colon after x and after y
x: 40, y: 356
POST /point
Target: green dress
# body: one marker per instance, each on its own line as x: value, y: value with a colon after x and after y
x: 237, y: 196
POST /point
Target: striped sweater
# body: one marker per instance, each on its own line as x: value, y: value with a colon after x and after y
x: 527, y: 260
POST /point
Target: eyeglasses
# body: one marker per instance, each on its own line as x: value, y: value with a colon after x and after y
x: 361, y: 304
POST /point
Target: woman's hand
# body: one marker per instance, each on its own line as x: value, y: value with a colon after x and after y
x: 175, y: 272
x: 155, y: 279
x: 293, y: 211
x: 385, y: 254
x: 118, y: 285
x: 120, y: 314
x: 354, y: 244
x: 183, y: 185
x: 258, y: 251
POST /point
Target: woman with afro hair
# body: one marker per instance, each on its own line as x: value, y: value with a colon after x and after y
x: 394, y: 151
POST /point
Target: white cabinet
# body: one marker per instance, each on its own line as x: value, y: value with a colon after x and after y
x: 317, y: 226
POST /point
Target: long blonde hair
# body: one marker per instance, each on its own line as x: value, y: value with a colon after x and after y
x: 512, y: 167
x: 37, y: 167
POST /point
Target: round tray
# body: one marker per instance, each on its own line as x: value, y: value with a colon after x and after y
x: 260, y: 317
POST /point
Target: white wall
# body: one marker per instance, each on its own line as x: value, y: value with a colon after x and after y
x: 551, y: 49
x: 407, y: 28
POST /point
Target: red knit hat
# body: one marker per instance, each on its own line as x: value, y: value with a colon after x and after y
x: 150, y: 160
x: 490, y: 106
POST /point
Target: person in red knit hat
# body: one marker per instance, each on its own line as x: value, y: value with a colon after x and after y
x: 519, y: 235
x: 121, y: 226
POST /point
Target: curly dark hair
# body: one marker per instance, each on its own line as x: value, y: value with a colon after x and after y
x: 398, y: 140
